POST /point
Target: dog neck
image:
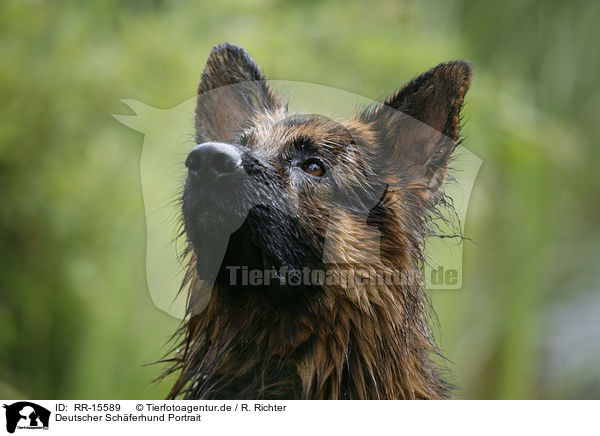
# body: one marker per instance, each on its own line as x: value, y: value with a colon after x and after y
x: 365, y: 341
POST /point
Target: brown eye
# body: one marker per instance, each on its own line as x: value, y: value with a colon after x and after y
x: 313, y: 167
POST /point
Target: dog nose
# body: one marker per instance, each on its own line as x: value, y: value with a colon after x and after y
x: 211, y: 160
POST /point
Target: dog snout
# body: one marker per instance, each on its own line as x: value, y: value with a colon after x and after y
x: 213, y: 160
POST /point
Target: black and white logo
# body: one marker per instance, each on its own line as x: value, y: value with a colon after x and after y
x: 26, y: 415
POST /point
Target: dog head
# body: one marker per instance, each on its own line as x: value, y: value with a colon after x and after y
x: 269, y: 190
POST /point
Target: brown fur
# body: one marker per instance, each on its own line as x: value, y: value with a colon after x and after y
x: 367, y: 341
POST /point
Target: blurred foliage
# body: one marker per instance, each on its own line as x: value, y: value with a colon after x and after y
x: 76, y: 320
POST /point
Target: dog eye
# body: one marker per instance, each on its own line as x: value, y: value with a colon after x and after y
x: 314, y: 167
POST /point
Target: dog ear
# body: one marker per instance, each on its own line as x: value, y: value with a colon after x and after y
x: 419, y: 124
x: 231, y: 90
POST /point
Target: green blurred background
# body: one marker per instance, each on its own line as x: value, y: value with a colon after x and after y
x: 76, y: 319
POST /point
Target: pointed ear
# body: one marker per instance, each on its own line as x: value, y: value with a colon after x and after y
x: 419, y: 123
x: 231, y: 90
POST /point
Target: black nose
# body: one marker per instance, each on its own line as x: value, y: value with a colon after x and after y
x: 213, y: 159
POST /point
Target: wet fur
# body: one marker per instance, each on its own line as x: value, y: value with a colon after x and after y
x: 322, y: 342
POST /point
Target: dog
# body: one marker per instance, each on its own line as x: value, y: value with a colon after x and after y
x: 306, y: 234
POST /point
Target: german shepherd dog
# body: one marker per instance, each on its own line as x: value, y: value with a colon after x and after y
x: 277, y: 206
